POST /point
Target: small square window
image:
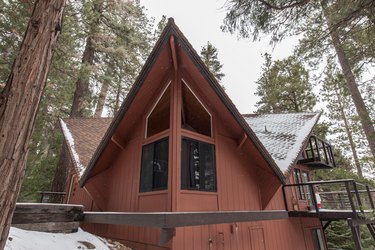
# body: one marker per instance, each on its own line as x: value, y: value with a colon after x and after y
x: 198, y: 170
x: 154, y: 167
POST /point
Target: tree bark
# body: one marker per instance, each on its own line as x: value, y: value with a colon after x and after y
x: 19, y: 102
x: 351, y: 83
x: 82, y: 92
x: 349, y: 134
x: 103, y: 91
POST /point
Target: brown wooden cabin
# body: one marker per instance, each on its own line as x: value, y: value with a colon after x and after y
x: 178, y: 145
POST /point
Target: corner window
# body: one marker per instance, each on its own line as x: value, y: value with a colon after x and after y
x: 154, y: 167
x: 198, y: 170
x: 194, y: 116
x: 158, y: 119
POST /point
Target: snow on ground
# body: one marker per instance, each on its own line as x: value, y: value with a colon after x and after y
x: 19, y: 239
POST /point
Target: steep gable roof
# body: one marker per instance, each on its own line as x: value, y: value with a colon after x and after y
x: 172, y: 35
x: 283, y: 135
x: 82, y: 136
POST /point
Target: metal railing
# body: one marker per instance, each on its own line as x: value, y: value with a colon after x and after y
x: 344, y: 194
x: 51, y: 197
x: 318, y: 150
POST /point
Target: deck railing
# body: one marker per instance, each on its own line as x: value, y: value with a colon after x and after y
x: 51, y: 197
x: 333, y: 195
x: 318, y: 152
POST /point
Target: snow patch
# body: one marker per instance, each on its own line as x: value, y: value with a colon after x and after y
x: 69, y: 138
x: 283, y: 135
x: 19, y: 239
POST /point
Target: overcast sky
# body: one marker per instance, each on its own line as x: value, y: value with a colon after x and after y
x: 200, y: 22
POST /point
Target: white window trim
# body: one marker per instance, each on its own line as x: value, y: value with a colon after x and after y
x: 156, y: 103
x: 187, y: 85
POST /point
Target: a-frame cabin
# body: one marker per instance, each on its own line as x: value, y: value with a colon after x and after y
x: 178, y: 144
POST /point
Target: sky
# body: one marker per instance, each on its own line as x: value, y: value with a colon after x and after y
x: 200, y: 22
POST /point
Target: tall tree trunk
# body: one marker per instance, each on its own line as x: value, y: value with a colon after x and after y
x: 19, y: 102
x: 82, y: 92
x: 348, y: 133
x: 101, y: 100
x: 103, y: 91
x: 80, y: 99
x: 360, y: 105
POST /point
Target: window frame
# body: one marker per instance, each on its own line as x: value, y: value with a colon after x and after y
x: 303, y: 191
x: 183, y: 81
x: 202, y: 171
x: 141, y: 176
x: 153, y: 108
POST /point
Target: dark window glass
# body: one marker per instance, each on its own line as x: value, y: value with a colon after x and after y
x: 158, y: 120
x: 298, y: 180
x: 198, y: 166
x: 154, y: 168
x: 194, y: 116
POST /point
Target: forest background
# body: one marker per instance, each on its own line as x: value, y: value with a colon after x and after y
x: 104, y: 43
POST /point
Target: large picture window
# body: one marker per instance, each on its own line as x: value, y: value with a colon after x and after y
x: 198, y: 170
x: 154, y: 167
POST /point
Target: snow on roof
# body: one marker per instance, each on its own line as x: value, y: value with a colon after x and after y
x: 19, y: 239
x: 70, y: 141
x: 283, y: 135
x: 82, y: 136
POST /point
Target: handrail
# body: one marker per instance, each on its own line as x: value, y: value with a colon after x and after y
x: 355, y: 197
x: 320, y: 182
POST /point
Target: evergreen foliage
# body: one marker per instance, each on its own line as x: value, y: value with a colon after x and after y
x: 284, y: 86
x: 332, y: 31
x: 209, y: 55
x: 121, y: 36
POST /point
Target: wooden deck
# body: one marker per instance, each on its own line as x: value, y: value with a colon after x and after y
x: 328, y: 214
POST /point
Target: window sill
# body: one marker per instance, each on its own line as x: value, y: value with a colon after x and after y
x: 165, y: 191
x: 184, y: 191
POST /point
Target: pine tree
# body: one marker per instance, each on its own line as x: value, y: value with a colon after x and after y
x: 284, y: 86
x: 20, y: 99
x: 340, y: 20
x: 209, y: 55
x: 117, y: 39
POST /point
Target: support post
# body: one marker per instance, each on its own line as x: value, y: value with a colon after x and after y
x: 314, y: 199
x: 285, y: 201
x: 358, y: 197
x: 356, y: 235
x: 370, y: 197
x: 350, y: 199
x: 371, y: 229
x: 326, y: 225
x: 166, y: 234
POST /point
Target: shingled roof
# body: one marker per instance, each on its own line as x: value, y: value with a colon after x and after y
x: 83, y: 136
x: 283, y: 135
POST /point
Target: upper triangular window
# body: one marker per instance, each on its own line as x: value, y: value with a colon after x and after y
x: 194, y: 116
x: 158, y: 118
